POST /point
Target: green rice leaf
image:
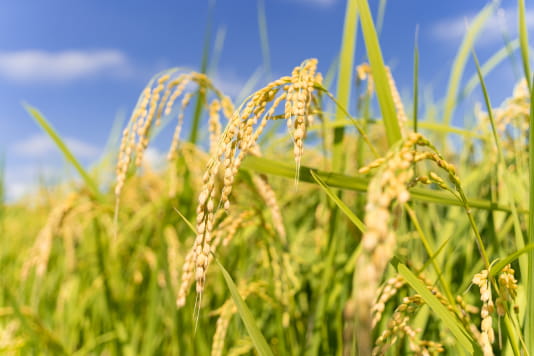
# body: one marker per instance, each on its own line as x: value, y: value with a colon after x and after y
x: 253, y: 331
x: 441, y: 312
x: 523, y: 39
x: 344, y: 77
x: 497, y: 267
x: 508, y: 185
x: 530, y: 284
x: 383, y: 91
x: 187, y: 222
x: 416, y: 82
x: 264, y: 38
x: 69, y: 156
x: 461, y: 60
x: 338, y: 180
x: 201, y: 94
x: 490, y: 64
x: 344, y: 208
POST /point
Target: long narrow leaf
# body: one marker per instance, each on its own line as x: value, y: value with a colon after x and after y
x: 497, y: 267
x: 344, y: 77
x: 508, y: 185
x: 201, y: 94
x: 461, y: 59
x: 253, y: 331
x: 264, y: 38
x: 69, y: 156
x: 523, y: 39
x: 337, y: 180
x: 490, y: 64
x: 530, y: 286
x: 416, y: 81
x: 344, y: 208
x: 441, y: 312
x: 383, y: 90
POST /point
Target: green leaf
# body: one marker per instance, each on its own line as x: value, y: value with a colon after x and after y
x: 264, y: 38
x: 253, y: 331
x: 502, y: 168
x: 69, y: 156
x: 201, y: 94
x: 523, y: 39
x: 344, y: 208
x: 187, y: 222
x: 490, y: 64
x: 338, y: 180
x: 416, y: 81
x: 344, y: 77
x: 461, y: 60
x: 383, y: 91
x: 439, y: 309
x: 530, y: 284
x: 497, y: 267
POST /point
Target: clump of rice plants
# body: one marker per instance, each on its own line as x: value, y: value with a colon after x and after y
x: 399, y: 243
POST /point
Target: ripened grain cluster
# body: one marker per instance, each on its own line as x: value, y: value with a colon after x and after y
x: 417, y: 243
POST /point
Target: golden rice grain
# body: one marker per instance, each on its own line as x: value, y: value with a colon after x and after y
x: 487, y: 335
x: 239, y: 139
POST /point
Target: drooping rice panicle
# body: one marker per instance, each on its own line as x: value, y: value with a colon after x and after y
x: 239, y: 139
x: 389, y: 289
x: 487, y: 335
x: 40, y: 252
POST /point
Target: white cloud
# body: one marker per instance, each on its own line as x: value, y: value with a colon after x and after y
x: 154, y: 158
x: 23, y: 178
x: 40, y: 145
x: 37, y: 65
x: 16, y: 190
x: 501, y: 21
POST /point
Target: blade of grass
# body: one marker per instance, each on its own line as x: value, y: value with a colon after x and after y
x: 519, y: 239
x: 218, y: 45
x: 337, y: 180
x: 487, y: 67
x: 529, y: 327
x: 344, y: 78
x: 416, y: 80
x: 383, y: 91
x: 253, y: 331
x: 249, y: 85
x: 497, y: 267
x: 461, y: 60
x: 187, y: 222
x: 441, y: 312
x: 69, y: 156
x: 344, y: 208
x: 264, y: 38
x: 380, y: 17
x: 523, y: 39
x: 430, y: 252
x: 201, y: 93
x: 39, y: 333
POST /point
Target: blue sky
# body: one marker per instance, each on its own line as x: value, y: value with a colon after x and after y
x: 83, y: 62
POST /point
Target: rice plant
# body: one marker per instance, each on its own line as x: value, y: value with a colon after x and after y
x: 335, y: 233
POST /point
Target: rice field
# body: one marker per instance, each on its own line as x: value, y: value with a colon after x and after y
x: 286, y: 224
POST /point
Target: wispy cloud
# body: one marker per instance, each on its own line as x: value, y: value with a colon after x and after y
x: 25, y: 178
x: 40, y: 145
x: 16, y: 190
x: 38, y: 66
x: 501, y: 21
